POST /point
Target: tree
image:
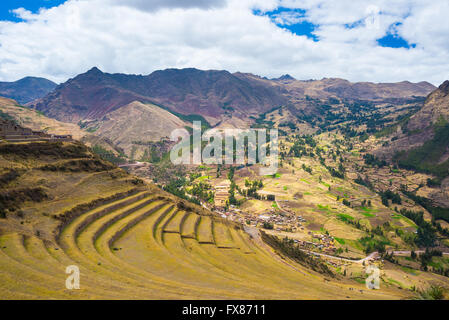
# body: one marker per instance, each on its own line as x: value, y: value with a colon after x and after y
x: 268, y: 226
x: 231, y: 173
x: 218, y: 171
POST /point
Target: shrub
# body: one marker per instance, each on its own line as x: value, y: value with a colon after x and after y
x: 83, y: 165
x: 431, y: 293
x: 57, y: 150
x: 426, y: 158
x: 12, y: 199
x: 268, y: 226
x: 8, y: 177
x: 287, y: 247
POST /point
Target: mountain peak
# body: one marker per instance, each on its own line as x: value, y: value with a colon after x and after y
x: 94, y: 70
x: 285, y: 77
x: 444, y: 87
x: 26, y: 89
x: 36, y: 80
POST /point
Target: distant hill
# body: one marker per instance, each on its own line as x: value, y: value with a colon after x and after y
x: 214, y: 95
x: 133, y: 126
x: 343, y: 89
x: 420, y: 127
x: 189, y: 91
x: 435, y: 109
x: 26, y: 89
x: 421, y: 142
x: 35, y: 120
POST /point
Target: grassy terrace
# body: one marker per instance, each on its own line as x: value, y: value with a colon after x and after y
x: 143, y: 246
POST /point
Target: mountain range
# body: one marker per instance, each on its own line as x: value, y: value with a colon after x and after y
x: 129, y: 109
x: 215, y: 95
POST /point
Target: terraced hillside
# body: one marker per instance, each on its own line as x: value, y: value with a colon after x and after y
x: 146, y: 246
x: 133, y: 241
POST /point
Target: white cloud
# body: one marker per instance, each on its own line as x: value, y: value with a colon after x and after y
x: 64, y: 41
x: 154, y: 5
x: 288, y: 18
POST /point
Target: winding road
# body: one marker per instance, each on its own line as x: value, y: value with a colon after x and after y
x: 137, y: 164
x: 255, y: 234
x: 407, y: 253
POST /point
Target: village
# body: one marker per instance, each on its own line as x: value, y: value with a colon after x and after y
x: 276, y: 220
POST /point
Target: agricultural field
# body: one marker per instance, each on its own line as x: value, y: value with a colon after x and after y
x: 319, y: 201
x: 318, y: 198
x: 129, y: 249
x: 134, y: 241
x: 292, y: 235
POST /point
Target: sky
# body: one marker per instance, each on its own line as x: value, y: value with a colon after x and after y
x: 363, y: 40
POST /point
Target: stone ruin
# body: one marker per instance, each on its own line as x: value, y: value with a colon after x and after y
x: 13, y: 132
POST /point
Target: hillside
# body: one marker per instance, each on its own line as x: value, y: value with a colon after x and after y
x: 188, y: 91
x: 313, y: 226
x: 135, y: 125
x: 327, y: 198
x: 36, y: 121
x: 214, y: 95
x: 419, y: 127
x: 26, y: 89
x: 435, y: 108
x: 420, y: 142
x: 133, y: 241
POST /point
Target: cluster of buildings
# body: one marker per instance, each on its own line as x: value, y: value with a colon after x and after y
x: 282, y: 220
x: 325, y: 244
x: 12, y: 132
x: 221, y: 194
x: 286, y: 223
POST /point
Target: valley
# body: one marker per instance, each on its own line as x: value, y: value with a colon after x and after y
x: 362, y: 181
x: 134, y: 242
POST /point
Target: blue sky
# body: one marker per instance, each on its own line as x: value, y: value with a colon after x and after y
x: 31, y: 5
x: 296, y: 21
x: 299, y: 26
x: 394, y: 41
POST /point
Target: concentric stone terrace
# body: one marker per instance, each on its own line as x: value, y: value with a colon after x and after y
x: 146, y: 247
